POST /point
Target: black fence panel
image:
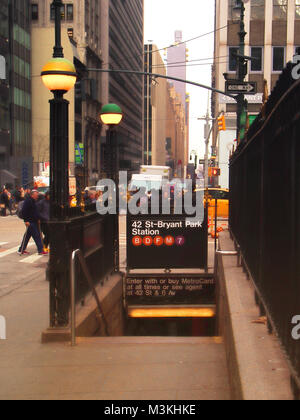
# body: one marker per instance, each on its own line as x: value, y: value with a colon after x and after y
x: 93, y: 234
x: 265, y: 209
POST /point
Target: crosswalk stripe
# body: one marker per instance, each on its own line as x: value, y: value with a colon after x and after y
x: 32, y: 259
x: 8, y: 252
x: 12, y: 250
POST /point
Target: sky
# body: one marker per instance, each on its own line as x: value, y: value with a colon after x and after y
x: 193, y: 18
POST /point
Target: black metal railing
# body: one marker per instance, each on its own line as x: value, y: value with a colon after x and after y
x: 91, y: 233
x: 265, y: 209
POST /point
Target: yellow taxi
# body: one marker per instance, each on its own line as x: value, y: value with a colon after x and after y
x: 222, y: 195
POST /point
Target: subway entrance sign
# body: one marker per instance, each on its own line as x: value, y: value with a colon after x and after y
x: 166, y: 242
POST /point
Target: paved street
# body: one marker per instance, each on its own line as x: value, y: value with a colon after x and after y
x: 16, y: 270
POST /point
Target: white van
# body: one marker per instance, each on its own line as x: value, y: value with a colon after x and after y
x: 149, y: 182
x: 163, y: 171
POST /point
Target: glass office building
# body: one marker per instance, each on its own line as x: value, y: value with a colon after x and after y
x: 15, y: 129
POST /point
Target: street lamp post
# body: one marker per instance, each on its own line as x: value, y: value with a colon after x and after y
x: 59, y: 76
x: 194, y: 153
x: 111, y: 115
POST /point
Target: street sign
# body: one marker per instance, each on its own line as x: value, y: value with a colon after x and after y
x: 236, y: 87
x: 79, y: 153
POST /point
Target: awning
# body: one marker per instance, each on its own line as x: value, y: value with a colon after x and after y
x: 7, y: 177
x: 8, y: 174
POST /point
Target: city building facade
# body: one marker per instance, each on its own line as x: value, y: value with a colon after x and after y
x: 15, y: 93
x: 177, y: 57
x: 95, y: 35
x: 176, y: 133
x: 154, y: 108
x: 272, y: 35
x: 126, y: 51
x: 81, y: 41
x: 165, y: 129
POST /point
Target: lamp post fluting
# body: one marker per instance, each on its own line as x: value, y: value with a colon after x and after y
x: 111, y: 115
x: 59, y: 76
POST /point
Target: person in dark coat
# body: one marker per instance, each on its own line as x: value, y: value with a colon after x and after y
x: 4, y: 201
x: 43, y: 207
x: 32, y: 221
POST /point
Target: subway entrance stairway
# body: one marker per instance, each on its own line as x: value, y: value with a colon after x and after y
x: 166, y: 367
x: 243, y: 362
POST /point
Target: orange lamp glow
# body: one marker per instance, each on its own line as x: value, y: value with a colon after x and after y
x: 59, y: 74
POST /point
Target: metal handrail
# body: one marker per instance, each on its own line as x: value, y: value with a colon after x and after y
x: 88, y: 277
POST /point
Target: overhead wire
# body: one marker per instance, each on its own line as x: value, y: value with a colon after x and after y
x: 188, y: 61
x: 175, y: 45
x: 193, y: 65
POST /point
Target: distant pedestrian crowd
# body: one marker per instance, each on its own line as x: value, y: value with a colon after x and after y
x: 11, y: 198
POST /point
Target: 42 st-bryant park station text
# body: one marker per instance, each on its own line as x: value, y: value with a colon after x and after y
x: 152, y: 228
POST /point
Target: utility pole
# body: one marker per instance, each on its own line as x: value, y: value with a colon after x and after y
x: 207, y: 132
x: 242, y: 65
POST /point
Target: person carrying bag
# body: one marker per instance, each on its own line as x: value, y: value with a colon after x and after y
x: 32, y: 222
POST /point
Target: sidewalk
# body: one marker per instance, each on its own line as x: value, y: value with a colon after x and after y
x: 121, y: 368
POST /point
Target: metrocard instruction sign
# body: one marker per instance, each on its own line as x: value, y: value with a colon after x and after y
x: 170, y: 289
x: 166, y: 241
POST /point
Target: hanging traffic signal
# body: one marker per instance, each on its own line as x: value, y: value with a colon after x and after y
x: 214, y: 172
x: 221, y: 123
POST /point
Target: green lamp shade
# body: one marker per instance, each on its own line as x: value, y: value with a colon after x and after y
x: 111, y: 114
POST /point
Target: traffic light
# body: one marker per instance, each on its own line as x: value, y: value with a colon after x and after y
x: 221, y: 123
x: 214, y: 172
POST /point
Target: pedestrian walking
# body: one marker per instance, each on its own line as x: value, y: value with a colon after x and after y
x: 43, y: 207
x: 17, y: 197
x: 4, y: 201
x: 32, y: 222
x: 10, y: 202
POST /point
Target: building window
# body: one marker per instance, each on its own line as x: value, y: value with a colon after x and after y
x: 278, y: 58
x: 297, y: 10
x: 256, y: 63
x: 34, y: 11
x: 62, y: 13
x: 280, y: 9
x: 70, y: 12
x: 257, y: 9
x: 233, y: 14
x: 232, y: 64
